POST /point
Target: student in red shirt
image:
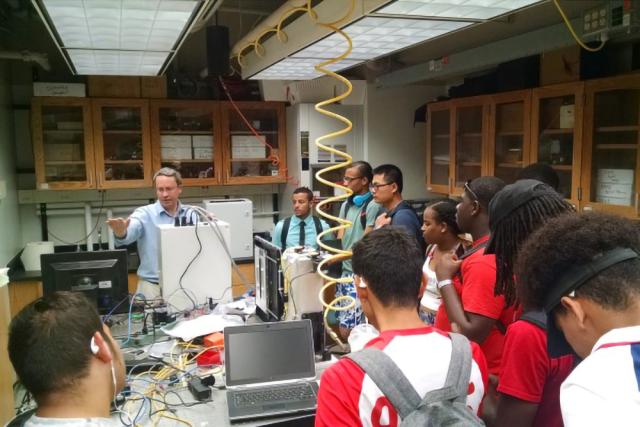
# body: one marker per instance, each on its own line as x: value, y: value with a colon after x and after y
x: 467, y: 284
x: 529, y: 382
x: 388, y: 277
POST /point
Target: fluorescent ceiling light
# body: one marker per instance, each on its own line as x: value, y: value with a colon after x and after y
x: 126, y: 37
x: 467, y: 9
x: 372, y: 37
x: 300, y: 69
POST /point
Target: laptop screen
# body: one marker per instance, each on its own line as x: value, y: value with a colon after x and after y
x: 267, y: 352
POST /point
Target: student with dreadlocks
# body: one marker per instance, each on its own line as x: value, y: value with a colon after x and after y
x: 441, y: 233
x: 529, y: 380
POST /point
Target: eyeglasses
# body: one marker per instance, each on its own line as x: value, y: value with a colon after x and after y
x: 376, y: 187
x: 349, y: 178
x: 468, y: 190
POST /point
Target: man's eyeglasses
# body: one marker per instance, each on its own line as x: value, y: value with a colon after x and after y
x: 376, y: 187
x: 350, y: 178
x: 469, y: 191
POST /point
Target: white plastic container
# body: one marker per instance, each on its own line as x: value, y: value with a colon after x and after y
x: 31, y: 255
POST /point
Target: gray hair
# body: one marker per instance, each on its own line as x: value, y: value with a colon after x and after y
x: 168, y: 172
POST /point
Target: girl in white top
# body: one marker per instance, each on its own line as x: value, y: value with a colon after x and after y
x: 440, y: 231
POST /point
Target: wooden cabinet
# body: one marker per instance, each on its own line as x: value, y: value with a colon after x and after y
x: 439, y: 130
x: 611, y: 145
x: 470, y: 151
x: 254, y: 142
x: 186, y: 136
x: 509, y: 134
x: 119, y: 143
x: 62, y: 143
x: 122, y: 142
x: 556, y: 133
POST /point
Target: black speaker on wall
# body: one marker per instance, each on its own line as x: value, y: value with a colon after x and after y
x: 217, y: 50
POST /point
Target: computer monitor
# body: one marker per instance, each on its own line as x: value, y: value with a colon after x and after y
x: 101, y: 275
x: 269, y: 280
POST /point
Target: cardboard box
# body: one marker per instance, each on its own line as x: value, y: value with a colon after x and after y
x: 616, y: 176
x: 202, y: 141
x: 114, y: 86
x: 59, y: 89
x: 560, y: 66
x: 175, y: 153
x: 247, y: 147
x: 175, y: 141
x: 153, y: 87
x: 200, y: 153
x: 62, y: 152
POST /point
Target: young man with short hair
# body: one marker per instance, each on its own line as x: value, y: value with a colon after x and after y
x: 67, y: 359
x: 387, y: 191
x: 388, y: 277
x: 361, y: 210
x: 584, y: 272
x: 467, y: 284
x: 142, y: 227
x: 303, y: 227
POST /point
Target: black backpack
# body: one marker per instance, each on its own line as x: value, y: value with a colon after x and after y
x: 287, y: 224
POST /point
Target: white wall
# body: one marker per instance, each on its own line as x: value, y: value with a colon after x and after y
x: 10, y: 240
x: 391, y: 137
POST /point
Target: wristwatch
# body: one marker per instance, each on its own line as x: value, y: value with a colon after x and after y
x: 442, y: 283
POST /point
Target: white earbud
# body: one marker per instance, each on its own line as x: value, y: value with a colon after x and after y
x: 94, y: 346
x: 362, y: 283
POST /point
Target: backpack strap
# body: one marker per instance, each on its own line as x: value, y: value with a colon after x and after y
x: 535, y: 317
x: 285, y: 232
x: 389, y: 378
x: 456, y: 386
x: 363, y: 213
x: 318, y: 224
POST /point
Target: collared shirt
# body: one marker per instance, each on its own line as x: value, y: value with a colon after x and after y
x: 604, y: 389
x: 143, y: 229
x: 293, y: 237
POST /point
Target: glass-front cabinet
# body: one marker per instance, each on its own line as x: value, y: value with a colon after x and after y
x: 185, y: 135
x: 509, y: 134
x: 439, y: 147
x: 62, y: 142
x: 610, y: 151
x: 556, y: 125
x: 253, y: 134
x: 122, y: 143
x: 469, y: 134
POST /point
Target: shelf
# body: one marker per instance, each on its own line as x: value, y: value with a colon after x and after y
x: 556, y: 131
x: 516, y: 165
x: 63, y: 131
x: 562, y: 167
x: 616, y: 146
x: 121, y: 132
x: 440, y: 136
x: 123, y: 162
x: 186, y: 132
x: 210, y: 161
x: 617, y: 128
x: 264, y: 132
x: 440, y: 162
x: 510, y: 133
x: 64, y: 163
x: 470, y: 164
x: 257, y: 159
x: 470, y: 134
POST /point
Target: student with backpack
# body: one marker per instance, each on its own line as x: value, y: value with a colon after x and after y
x: 390, y: 382
x: 387, y: 191
x: 362, y: 211
x: 583, y: 270
x: 303, y: 227
x: 529, y: 382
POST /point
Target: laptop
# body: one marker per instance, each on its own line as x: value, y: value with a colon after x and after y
x: 270, y: 369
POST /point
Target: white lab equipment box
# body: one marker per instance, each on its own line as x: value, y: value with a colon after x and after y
x: 239, y: 214
x: 197, y: 254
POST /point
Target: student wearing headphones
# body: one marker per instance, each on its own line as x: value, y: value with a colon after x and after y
x: 362, y: 211
x: 67, y: 359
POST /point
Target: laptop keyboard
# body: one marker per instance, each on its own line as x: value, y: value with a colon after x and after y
x: 292, y: 392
